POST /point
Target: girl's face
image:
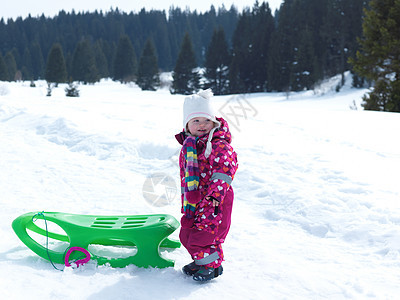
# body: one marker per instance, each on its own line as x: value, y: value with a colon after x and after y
x: 199, y: 126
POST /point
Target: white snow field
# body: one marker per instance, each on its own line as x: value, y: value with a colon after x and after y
x: 317, y: 194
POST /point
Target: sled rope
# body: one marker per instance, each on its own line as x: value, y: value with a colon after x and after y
x: 34, y: 218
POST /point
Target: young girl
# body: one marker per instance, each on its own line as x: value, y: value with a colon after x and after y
x: 207, y: 166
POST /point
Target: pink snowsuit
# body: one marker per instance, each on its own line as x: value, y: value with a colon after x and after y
x: 203, y: 235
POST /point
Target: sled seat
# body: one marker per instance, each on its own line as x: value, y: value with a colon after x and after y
x: 145, y: 232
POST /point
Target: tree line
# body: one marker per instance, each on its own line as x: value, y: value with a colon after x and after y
x: 254, y: 50
x: 378, y: 58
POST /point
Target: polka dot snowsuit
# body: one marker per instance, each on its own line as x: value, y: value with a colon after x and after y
x: 203, y: 235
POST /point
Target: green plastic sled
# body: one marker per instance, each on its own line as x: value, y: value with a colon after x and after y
x: 147, y: 232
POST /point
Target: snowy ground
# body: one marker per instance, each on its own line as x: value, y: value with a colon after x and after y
x: 316, y: 215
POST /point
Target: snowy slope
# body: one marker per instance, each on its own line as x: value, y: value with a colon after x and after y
x: 316, y: 215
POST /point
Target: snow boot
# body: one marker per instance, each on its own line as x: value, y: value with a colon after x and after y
x: 190, y: 269
x: 205, y: 274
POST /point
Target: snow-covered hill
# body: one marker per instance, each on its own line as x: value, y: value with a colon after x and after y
x: 317, y: 194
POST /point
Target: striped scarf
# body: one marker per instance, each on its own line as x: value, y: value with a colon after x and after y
x: 192, y: 194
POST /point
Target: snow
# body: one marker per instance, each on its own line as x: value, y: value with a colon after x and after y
x: 316, y: 212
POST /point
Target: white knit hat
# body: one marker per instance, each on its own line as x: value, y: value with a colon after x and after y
x: 199, y: 105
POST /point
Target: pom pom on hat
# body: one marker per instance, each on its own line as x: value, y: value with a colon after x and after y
x: 206, y: 94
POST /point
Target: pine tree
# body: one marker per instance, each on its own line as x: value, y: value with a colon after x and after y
x: 148, y: 77
x: 217, y: 64
x: 302, y: 70
x: 251, y: 50
x: 186, y: 79
x: 125, y: 63
x: 56, y: 70
x: 379, y: 56
x: 297, y: 46
x: 109, y: 50
x: 84, y: 64
x: 11, y: 65
x: 240, y: 70
x: 262, y: 27
x: 3, y: 69
x: 101, y: 60
x: 27, y: 64
x: 274, y: 74
x: 17, y: 57
x: 335, y: 31
x: 37, y: 61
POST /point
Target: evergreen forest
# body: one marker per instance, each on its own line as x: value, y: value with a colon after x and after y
x: 230, y: 51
